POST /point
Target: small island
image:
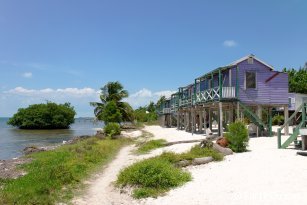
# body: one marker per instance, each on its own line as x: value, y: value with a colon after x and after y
x: 44, y: 116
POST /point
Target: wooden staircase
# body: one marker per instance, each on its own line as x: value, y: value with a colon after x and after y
x: 293, y: 137
x: 254, y: 118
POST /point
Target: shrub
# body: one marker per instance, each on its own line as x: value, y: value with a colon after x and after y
x: 44, y: 116
x: 152, y: 177
x: 156, y: 175
x: 278, y: 120
x: 150, y: 145
x: 237, y: 136
x: 112, y: 129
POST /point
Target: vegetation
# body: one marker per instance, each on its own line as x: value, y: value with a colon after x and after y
x: 112, y: 129
x: 150, y: 145
x: 297, y: 79
x: 278, y: 120
x: 44, y: 116
x: 155, y: 176
x: 152, y: 177
x: 146, y: 114
x: 237, y: 136
x: 111, y: 98
x: 52, y: 175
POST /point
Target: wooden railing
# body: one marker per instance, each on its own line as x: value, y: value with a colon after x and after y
x: 214, y: 94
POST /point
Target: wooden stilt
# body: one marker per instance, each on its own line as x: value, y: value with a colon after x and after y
x: 220, y: 119
x: 286, y: 117
x: 201, y: 125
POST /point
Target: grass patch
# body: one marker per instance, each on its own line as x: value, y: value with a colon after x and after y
x: 155, y: 176
x: 152, y: 177
x: 53, y: 175
x: 150, y: 145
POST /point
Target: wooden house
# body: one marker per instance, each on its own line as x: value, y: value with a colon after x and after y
x: 246, y: 89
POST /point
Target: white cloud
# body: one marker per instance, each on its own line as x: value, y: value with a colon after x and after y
x: 77, y: 92
x: 27, y: 75
x: 19, y: 97
x: 144, y: 96
x: 230, y: 43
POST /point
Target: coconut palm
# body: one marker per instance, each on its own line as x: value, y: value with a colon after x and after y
x: 113, y: 92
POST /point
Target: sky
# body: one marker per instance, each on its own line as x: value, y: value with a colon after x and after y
x: 65, y: 50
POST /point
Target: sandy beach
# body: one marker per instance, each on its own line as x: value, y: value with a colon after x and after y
x: 264, y: 175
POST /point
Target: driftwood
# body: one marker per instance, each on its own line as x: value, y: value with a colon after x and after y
x: 302, y: 153
x: 183, y: 163
x: 182, y: 142
x: 209, y: 144
x: 203, y: 160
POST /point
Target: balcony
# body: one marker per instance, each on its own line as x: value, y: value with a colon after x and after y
x: 214, y: 94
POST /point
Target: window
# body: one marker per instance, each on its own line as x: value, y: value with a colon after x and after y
x: 250, y: 60
x: 250, y: 80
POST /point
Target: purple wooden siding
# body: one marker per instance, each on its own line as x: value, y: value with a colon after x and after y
x: 273, y: 92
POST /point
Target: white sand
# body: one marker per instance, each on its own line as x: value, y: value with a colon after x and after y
x: 265, y: 176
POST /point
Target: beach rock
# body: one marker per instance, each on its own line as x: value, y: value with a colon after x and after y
x: 100, y: 134
x: 202, y: 160
x: 222, y: 141
x: 9, y: 168
x: 33, y: 149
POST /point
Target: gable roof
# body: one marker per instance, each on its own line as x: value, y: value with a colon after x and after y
x: 247, y: 57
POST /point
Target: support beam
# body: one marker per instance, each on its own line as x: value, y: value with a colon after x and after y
x: 178, y: 120
x: 210, y: 118
x: 201, y: 121
x: 220, y: 119
x: 286, y: 117
x: 238, y: 111
x: 259, y: 115
x: 205, y: 119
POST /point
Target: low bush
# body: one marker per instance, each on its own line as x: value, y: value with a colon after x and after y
x: 150, y: 145
x: 237, y: 136
x: 278, y: 120
x: 112, y: 129
x: 154, y: 176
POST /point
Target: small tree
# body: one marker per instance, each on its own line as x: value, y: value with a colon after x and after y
x: 111, y: 113
x: 237, y: 136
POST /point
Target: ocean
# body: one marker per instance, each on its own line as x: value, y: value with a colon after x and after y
x: 14, y: 140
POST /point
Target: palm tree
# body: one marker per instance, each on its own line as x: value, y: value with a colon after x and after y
x: 113, y: 91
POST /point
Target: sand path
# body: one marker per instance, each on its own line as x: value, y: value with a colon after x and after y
x: 101, y: 190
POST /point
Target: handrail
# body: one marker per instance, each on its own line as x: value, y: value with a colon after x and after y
x: 291, y: 117
x: 253, y: 115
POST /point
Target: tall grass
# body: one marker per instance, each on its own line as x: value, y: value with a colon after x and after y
x: 155, y: 176
x: 53, y: 175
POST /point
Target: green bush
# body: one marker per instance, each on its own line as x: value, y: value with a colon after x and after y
x: 156, y: 175
x: 44, y: 116
x: 150, y: 145
x: 112, y: 129
x: 152, y: 177
x: 278, y: 120
x: 237, y: 136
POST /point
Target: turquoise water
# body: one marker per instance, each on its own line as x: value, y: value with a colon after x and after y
x: 13, y: 140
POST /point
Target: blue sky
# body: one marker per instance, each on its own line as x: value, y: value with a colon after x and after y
x: 65, y: 50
